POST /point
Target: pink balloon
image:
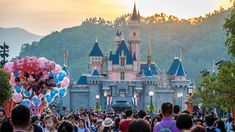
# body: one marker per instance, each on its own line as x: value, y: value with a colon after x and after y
x: 8, y: 67
x: 42, y: 62
x: 65, y: 82
x: 17, y: 97
x: 12, y: 80
x: 57, y: 69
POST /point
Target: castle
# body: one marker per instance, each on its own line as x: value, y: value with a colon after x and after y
x: 120, y: 79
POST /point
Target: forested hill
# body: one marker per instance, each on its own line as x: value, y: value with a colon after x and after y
x: 202, y: 42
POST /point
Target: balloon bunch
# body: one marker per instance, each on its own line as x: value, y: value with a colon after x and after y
x: 36, y: 79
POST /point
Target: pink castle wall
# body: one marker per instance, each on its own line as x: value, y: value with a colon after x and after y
x: 128, y: 76
x: 180, y: 78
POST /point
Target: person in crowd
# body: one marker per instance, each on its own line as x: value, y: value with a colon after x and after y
x: 198, y: 121
x: 210, y: 120
x: 107, y: 125
x: 154, y: 121
x: 124, y: 124
x: 6, y: 126
x: 220, y: 125
x: 167, y: 123
x: 198, y: 128
x: 35, y: 123
x: 230, y: 125
x: 98, y: 126
x: 50, y: 122
x: 2, y: 116
x: 141, y: 114
x: 82, y: 127
x: 176, y: 111
x: 184, y: 122
x: 116, y: 124
x: 66, y: 126
x: 20, y: 118
x: 139, y: 125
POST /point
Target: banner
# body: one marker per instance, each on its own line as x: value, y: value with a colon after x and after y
x: 135, y: 101
x: 109, y: 100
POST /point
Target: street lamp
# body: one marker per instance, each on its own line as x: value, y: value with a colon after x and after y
x: 151, y: 93
x: 179, y: 95
x: 97, y: 102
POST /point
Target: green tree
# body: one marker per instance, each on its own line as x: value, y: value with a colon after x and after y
x: 229, y: 26
x: 5, y: 87
x: 219, y: 91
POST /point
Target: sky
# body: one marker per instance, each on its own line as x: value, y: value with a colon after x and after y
x: 44, y: 16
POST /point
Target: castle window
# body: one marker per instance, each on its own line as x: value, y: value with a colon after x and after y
x: 134, y: 34
x: 122, y: 76
x: 122, y: 61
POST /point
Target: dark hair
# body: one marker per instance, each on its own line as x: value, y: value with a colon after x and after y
x: 66, y: 126
x: 3, y: 111
x: 20, y: 116
x: 141, y: 114
x: 176, y: 109
x: 167, y: 109
x: 152, y: 121
x: 34, y: 119
x: 6, y: 126
x: 186, y: 112
x: 210, y: 120
x: 139, y: 126
x: 221, y: 126
x: 117, y: 121
x: 128, y: 113
x: 198, y: 128
x: 184, y: 121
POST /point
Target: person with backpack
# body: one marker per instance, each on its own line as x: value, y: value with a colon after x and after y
x: 210, y: 120
x: 167, y: 124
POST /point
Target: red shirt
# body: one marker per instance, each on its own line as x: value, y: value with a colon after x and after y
x: 124, y: 124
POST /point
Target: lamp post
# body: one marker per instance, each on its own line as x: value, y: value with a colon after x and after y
x: 179, y: 95
x: 97, y: 102
x: 151, y: 93
x: 105, y: 100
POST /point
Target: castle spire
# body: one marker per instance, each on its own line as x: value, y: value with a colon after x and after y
x: 134, y: 14
x: 149, y: 53
x: 149, y: 49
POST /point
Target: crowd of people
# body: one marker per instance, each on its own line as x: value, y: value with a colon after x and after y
x: 169, y: 119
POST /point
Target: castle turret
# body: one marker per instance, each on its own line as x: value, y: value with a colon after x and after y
x: 95, y: 58
x: 134, y: 36
x: 118, y: 39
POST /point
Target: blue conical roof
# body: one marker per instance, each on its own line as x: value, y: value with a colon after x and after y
x: 96, y: 51
x: 174, y: 66
x: 95, y: 73
x: 180, y: 70
x: 122, y: 47
x: 149, y: 72
x: 110, y: 56
x: 82, y: 80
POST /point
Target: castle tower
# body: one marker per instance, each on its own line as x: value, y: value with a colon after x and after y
x: 118, y: 39
x: 134, y: 36
x: 96, y: 58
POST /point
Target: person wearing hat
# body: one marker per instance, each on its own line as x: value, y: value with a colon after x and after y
x: 98, y: 126
x: 107, y: 124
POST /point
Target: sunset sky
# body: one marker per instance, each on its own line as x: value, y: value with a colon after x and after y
x: 44, y: 16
